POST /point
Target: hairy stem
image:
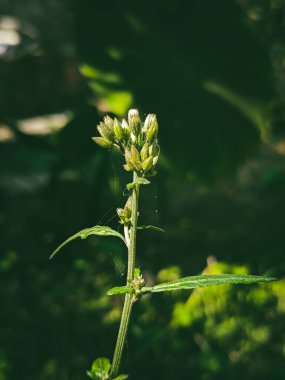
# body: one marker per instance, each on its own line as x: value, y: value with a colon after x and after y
x: 128, y: 303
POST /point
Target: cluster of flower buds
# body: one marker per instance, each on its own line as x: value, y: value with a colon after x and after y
x: 137, y: 140
x: 138, y: 282
x: 125, y: 213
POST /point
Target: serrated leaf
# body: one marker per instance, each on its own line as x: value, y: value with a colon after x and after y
x: 96, y: 230
x: 120, y: 290
x: 138, y: 181
x: 101, y: 366
x: 150, y: 227
x: 193, y: 282
x: 121, y: 377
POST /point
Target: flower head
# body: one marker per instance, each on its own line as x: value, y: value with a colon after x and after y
x: 137, y: 140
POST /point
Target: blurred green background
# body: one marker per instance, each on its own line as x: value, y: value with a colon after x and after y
x: 214, y: 73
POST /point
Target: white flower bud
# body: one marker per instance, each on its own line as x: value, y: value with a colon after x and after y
x: 152, y: 130
x: 126, y: 129
x: 150, y: 119
x: 134, y: 121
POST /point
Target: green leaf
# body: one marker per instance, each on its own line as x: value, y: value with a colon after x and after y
x: 96, y: 230
x: 137, y: 272
x: 138, y: 181
x: 205, y: 280
x: 121, y: 377
x: 150, y: 227
x: 100, y: 367
x: 90, y: 374
x: 120, y: 290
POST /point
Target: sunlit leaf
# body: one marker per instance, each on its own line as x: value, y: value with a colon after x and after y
x: 91, y: 375
x: 193, y: 282
x: 96, y: 230
x: 100, y: 368
x: 120, y: 290
x: 150, y: 227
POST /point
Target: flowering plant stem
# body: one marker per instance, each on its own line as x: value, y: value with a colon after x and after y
x: 137, y: 141
x: 129, y: 299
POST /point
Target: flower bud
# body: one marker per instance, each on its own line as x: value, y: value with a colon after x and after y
x: 102, y: 142
x: 125, y: 213
x: 118, y: 131
x: 128, y: 208
x: 154, y: 161
x: 135, y: 156
x: 129, y: 167
x: 148, y: 121
x: 129, y: 202
x: 138, y: 282
x: 154, y: 149
x: 144, y: 151
x: 134, y: 121
x: 108, y: 121
x: 105, y: 131
x: 128, y: 155
x: 152, y: 129
x: 133, y: 159
x: 126, y: 130
x: 147, y: 164
x: 122, y: 215
x: 120, y: 212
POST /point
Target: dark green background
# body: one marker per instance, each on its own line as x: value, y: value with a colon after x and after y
x: 213, y: 72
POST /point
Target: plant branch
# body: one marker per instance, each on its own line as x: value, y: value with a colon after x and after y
x: 128, y: 303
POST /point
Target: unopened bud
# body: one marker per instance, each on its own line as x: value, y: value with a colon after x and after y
x: 134, y: 121
x: 135, y: 156
x: 120, y: 212
x: 151, y: 117
x: 152, y: 129
x: 126, y: 130
x: 129, y: 203
x: 154, y: 149
x: 147, y: 164
x: 144, y: 151
x: 108, y: 121
x: 105, y: 131
x: 129, y: 167
x: 154, y: 161
x: 127, y: 213
x: 138, y: 282
x: 104, y: 143
x: 124, y: 217
x: 128, y: 155
x: 118, y: 131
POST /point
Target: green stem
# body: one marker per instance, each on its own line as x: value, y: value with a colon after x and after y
x: 128, y: 303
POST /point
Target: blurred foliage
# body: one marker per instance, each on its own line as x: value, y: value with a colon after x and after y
x: 228, y: 330
x: 213, y: 72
